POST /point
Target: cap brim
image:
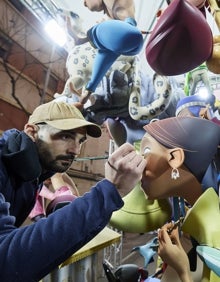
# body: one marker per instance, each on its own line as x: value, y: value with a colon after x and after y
x: 93, y: 130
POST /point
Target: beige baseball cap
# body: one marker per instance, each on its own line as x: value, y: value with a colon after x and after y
x: 63, y: 116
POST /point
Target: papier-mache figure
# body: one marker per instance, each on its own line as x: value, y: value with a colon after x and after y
x: 179, y: 151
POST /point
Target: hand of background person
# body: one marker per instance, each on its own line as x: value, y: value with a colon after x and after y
x: 171, y: 251
x: 124, y: 167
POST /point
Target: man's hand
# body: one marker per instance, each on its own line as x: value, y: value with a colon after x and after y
x: 124, y: 167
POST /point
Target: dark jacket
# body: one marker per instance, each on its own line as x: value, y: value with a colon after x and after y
x: 20, y: 173
x: 31, y: 252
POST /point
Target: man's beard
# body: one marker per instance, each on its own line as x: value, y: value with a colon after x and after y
x: 51, y: 163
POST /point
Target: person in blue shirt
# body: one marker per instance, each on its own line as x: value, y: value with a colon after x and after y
x: 49, y: 143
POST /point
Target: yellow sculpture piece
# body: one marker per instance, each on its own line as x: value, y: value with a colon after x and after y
x: 140, y: 215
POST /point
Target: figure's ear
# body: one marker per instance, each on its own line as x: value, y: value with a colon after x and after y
x: 31, y: 130
x: 176, y: 157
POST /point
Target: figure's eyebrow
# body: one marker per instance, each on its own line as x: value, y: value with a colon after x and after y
x: 146, y: 136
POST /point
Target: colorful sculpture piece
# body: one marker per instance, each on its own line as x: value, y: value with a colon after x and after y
x: 125, y: 91
x: 174, y: 46
x: 173, y: 148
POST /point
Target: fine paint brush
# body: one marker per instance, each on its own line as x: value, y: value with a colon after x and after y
x: 169, y: 231
x: 176, y: 223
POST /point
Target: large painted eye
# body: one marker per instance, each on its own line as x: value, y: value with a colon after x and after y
x: 146, y: 151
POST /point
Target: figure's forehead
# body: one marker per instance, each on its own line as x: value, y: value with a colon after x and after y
x: 146, y: 139
x: 150, y: 141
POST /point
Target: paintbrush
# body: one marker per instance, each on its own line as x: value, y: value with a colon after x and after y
x: 176, y: 223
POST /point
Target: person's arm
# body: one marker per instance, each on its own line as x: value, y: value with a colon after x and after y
x: 31, y: 252
x: 171, y: 251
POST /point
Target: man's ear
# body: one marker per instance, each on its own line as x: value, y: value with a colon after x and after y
x: 176, y: 157
x: 31, y: 130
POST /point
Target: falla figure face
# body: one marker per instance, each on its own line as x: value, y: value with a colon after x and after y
x: 157, y: 157
x: 178, y: 143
